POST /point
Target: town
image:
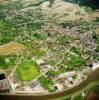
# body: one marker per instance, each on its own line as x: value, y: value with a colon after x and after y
x: 46, y: 46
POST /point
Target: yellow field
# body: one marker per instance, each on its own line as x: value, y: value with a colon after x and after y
x: 3, y: 1
x: 10, y: 48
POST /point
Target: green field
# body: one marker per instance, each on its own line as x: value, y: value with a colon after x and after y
x: 7, y: 62
x: 46, y: 83
x: 28, y: 70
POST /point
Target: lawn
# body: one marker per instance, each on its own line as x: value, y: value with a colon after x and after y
x: 28, y: 70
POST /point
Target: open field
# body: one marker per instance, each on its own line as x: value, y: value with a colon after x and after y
x: 10, y: 48
x: 28, y: 70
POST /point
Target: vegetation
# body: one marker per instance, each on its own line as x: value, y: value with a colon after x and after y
x: 97, y: 49
x: 12, y: 5
x: 88, y: 10
x: 46, y: 83
x: 95, y: 89
x: 73, y: 61
x: 7, y: 34
x: 61, y: 70
x: 28, y: 70
x: 81, y: 26
x: 79, y: 97
x: 37, y: 52
x: 95, y: 37
x: 7, y: 61
x: 51, y: 62
x: 63, y: 40
x: 76, y: 50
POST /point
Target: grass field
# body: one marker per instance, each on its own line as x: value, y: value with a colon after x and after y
x: 28, y: 70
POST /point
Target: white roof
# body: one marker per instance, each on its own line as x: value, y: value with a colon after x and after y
x: 95, y: 66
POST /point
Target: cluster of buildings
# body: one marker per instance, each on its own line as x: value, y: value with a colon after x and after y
x: 4, y: 83
x: 61, y: 82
